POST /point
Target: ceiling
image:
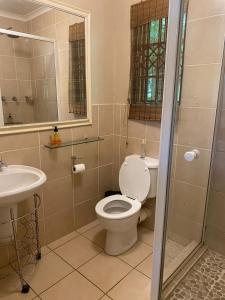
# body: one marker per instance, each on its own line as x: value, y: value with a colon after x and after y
x: 19, y: 7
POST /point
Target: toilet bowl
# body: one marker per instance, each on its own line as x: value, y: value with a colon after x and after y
x: 119, y: 214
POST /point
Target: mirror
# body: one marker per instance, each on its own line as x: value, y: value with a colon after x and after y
x: 43, y: 64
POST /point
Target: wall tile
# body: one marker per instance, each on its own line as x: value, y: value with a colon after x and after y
x: 23, y: 68
x: 152, y: 149
x: 215, y: 239
x: 8, y: 70
x: 59, y: 192
x: 205, y: 8
x: 220, y: 141
x: 189, y: 201
x: 105, y: 180
x: 211, y: 46
x: 90, y: 130
x: 27, y: 157
x: 218, y: 172
x: 136, y: 129
x: 85, y: 185
x: 106, y: 150
x: 153, y: 130
x: 84, y: 213
x: 38, y: 67
x: 185, y: 228
x: 196, y: 127
x: 200, y: 86
x: 6, y: 46
x: 117, y: 119
x: 19, y: 141
x: 87, y: 154
x: 105, y: 119
x: 133, y: 147
x: 195, y: 172
x: 58, y: 225
x: 56, y: 163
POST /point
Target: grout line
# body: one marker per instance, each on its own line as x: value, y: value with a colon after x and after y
x: 77, y: 270
x: 205, y: 18
x: 64, y: 242
x: 19, y: 149
x: 119, y: 281
x: 56, y: 283
x: 202, y: 65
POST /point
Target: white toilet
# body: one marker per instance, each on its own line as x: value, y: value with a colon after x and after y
x: 120, y: 214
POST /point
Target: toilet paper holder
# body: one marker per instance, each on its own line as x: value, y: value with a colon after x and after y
x: 74, y: 158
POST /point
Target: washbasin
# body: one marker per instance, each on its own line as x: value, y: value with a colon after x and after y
x: 18, y: 183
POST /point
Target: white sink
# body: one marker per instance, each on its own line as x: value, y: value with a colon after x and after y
x: 18, y: 183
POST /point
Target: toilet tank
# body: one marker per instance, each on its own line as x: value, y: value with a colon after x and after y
x: 152, y: 164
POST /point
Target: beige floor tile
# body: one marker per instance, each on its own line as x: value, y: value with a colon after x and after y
x: 47, y: 272
x: 78, y: 251
x: 136, y: 254
x: 45, y: 250
x: 173, y: 248
x: 10, y: 289
x: 146, y: 235
x: 74, y: 286
x: 135, y: 286
x: 168, y: 260
x: 63, y: 240
x: 105, y: 298
x: 146, y: 266
x: 97, y: 235
x: 88, y: 227
x: 105, y: 271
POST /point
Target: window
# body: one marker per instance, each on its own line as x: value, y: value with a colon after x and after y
x: 148, y: 50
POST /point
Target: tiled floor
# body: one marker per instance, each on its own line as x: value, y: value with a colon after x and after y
x: 205, y: 281
x: 76, y: 267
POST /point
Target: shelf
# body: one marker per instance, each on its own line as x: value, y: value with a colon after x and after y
x: 76, y: 142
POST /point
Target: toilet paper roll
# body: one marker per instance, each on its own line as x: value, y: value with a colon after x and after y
x: 78, y: 168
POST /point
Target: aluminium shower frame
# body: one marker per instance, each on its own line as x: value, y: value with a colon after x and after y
x: 167, y: 128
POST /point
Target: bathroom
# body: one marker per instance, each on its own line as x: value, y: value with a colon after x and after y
x: 73, y: 235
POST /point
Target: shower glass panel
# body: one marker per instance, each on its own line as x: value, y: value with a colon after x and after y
x: 192, y: 139
x: 215, y: 221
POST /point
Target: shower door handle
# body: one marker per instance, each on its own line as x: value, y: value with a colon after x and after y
x: 191, y: 155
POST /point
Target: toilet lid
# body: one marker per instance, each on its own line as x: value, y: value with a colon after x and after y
x: 134, y: 178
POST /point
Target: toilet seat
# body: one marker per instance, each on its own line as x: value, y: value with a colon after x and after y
x: 117, y: 207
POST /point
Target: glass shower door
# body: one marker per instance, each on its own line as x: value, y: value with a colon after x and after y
x: 190, y: 143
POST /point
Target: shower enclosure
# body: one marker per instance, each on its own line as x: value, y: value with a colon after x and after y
x: 190, y: 200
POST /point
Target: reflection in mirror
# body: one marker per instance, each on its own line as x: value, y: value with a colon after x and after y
x: 43, y: 64
x: 28, y: 86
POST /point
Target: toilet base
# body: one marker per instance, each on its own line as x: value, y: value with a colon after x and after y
x: 119, y: 242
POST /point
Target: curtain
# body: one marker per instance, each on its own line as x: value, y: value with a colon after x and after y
x: 77, y: 70
x: 148, y: 49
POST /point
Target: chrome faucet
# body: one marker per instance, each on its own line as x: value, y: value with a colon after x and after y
x: 2, y: 165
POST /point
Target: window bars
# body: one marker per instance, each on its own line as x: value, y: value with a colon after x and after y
x: 148, y: 49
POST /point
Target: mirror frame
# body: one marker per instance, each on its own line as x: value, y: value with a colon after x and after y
x: 32, y: 127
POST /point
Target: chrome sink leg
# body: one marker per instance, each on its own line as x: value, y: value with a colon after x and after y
x: 36, y: 198
x: 25, y: 286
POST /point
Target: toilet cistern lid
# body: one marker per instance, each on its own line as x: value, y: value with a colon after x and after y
x: 134, y: 178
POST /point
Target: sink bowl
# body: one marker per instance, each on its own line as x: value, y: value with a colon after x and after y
x: 18, y: 183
